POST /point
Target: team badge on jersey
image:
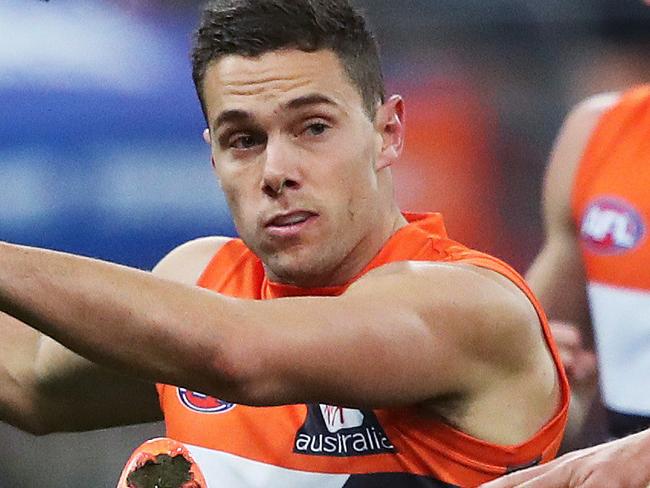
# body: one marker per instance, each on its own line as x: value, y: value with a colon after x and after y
x: 611, y: 226
x: 203, y: 403
x: 338, y: 431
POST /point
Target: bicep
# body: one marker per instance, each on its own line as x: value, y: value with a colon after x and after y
x: 396, y: 338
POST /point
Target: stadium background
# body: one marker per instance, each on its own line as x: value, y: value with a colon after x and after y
x: 101, y: 154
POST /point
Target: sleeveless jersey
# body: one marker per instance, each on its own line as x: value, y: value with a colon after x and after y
x: 611, y: 210
x: 319, y: 445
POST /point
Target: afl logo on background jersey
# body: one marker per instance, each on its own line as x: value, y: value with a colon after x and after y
x: 611, y: 226
x: 203, y: 403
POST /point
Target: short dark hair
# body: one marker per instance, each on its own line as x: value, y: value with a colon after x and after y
x: 255, y: 27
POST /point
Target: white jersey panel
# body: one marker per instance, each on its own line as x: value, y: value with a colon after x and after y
x: 227, y: 470
x: 621, y: 321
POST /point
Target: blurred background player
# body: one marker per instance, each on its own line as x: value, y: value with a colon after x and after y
x: 592, y: 274
x: 594, y: 269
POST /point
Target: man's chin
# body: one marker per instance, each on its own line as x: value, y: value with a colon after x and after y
x: 288, y: 273
x: 300, y: 269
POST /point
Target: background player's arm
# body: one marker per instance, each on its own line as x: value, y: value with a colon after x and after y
x: 404, y: 334
x: 557, y: 276
x: 45, y: 387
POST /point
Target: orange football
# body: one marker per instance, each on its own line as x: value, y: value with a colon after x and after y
x: 161, y: 463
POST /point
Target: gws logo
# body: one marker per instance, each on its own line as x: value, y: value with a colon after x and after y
x: 337, y: 418
x: 203, y: 403
x: 611, y: 226
x: 335, y: 431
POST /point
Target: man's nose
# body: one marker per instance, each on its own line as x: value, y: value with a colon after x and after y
x: 281, y: 169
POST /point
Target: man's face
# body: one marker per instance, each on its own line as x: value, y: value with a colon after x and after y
x: 299, y: 160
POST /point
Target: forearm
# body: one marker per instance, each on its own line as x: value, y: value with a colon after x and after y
x: 119, y: 317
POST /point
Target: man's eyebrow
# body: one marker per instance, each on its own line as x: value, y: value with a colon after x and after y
x: 229, y: 116
x: 237, y: 115
x: 311, y: 99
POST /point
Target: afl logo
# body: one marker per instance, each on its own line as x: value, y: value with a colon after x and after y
x: 203, y: 403
x: 611, y: 226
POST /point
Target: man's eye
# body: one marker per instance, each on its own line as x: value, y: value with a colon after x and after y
x: 245, y: 141
x: 317, y: 128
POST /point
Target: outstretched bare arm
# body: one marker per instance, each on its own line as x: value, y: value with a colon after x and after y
x: 451, y: 329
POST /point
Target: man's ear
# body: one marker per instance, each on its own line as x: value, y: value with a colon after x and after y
x: 389, y: 123
x: 208, y: 140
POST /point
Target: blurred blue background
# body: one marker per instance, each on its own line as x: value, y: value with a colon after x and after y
x: 100, y: 133
x: 101, y: 151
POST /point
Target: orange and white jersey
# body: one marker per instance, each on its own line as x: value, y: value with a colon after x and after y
x: 319, y: 445
x: 611, y: 209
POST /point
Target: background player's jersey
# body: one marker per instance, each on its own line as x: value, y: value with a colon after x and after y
x: 611, y: 209
x: 320, y: 445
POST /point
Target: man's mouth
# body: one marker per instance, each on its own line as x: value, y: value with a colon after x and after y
x: 290, y: 225
x: 289, y: 219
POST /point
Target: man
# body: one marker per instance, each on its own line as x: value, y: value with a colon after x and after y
x: 597, y: 214
x: 382, y: 352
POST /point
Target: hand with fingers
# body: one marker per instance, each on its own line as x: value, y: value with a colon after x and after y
x: 622, y: 463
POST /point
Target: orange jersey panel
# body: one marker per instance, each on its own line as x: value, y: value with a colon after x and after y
x: 324, y: 439
x: 611, y: 198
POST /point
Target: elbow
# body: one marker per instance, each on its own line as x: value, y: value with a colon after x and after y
x: 25, y: 407
x: 244, y: 376
x: 31, y: 417
x: 37, y: 427
x: 47, y: 409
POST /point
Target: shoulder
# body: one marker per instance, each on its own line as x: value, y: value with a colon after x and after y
x: 470, y: 301
x: 585, y: 116
x: 569, y: 149
x: 597, y: 104
x: 186, y: 262
x: 425, y: 276
x: 574, y: 136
